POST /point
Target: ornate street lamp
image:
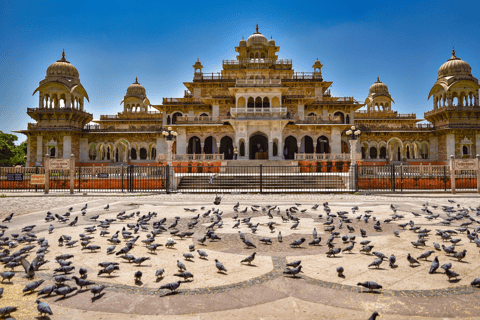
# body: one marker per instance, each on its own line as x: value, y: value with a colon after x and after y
x: 353, y: 133
x: 169, y: 134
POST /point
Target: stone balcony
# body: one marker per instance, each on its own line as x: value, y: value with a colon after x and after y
x: 258, y: 83
x: 259, y: 113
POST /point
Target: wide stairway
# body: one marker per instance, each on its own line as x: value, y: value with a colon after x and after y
x: 275, y: 176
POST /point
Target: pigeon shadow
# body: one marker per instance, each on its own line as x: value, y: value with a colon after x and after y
x: 454, y: 280
x: 159, y: 279
x: 171, y: 293
x: 98, y: 296
x: 460, y: 261
x: 152, y: 253
x: 415, y: 266
x: 250, y: 265
x: 293, y: 277
x: 341, y: 276
x: 138, y: 282
x: 144, y: 265
x: 223, y: 272
x: 192, y: 261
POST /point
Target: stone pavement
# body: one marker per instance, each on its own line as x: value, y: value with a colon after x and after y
x: 261, y: 290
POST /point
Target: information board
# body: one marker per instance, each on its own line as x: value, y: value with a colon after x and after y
x: 14, y: 176
x: 37, y: 179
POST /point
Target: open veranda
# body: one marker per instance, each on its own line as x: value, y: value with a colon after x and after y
x: 250, y: 256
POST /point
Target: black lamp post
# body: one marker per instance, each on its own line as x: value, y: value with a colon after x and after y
x: 169, y: 134
x: 353, y: 133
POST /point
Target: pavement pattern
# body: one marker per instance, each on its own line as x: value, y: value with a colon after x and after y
x: 259, y: 290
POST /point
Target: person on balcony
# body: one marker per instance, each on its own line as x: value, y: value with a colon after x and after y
x: 235, y: 152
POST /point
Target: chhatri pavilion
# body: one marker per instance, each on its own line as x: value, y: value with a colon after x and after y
x: 260, y: 106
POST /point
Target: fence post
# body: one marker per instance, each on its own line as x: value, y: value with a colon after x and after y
x: 445, y: 178
x: 478, y: 173
x: 261, y: 179
x: 452, y: 173
x: 47, y: 173
x: 72, y: 172
x: 36, y: 172
x: 392, y: 182
x: 356, y: 177
x: 122, y: 177
x: 79, y: 179
x: 401, y: 178
x: 167, y: 179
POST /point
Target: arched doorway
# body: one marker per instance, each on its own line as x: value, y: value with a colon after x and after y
x: 258, y: 144
x: 175, y: 116
x: 290, y: 148
x: 210, y: 146
x: 340, y: 116
x: 226, y: 147
x: 194, y: 145
x: 323, y: 145
x: 307, y: 145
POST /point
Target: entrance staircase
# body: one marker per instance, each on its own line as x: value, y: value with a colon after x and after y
x: 275, y: 176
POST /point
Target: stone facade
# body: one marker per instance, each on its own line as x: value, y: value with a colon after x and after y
x: 260, y: 105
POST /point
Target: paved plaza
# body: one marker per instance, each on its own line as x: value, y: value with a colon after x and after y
x: 259, y: 290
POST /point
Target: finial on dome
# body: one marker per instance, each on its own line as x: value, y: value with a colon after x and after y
x: 378, y: 79
x: 243, y: 38
x: 136, y: 80
x: 453, y: 51
x: 257, y: 28
x: 63, y: 54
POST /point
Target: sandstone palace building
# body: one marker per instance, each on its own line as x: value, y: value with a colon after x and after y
x: 260, y: 105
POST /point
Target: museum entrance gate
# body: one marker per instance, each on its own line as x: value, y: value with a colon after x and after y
x: 258, y: 144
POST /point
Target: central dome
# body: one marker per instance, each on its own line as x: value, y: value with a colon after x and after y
x: 136, y: 89
x: 454, y: 66
x: 62, y: 68
x: 378, y: 87
x: 257, y: 39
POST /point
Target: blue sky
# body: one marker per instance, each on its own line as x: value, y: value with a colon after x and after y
x: 111, y: 43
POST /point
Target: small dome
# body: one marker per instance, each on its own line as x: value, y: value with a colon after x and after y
x: 271, y: 42
x: 243, y: 43
x: 378, y: 87
x: 454, y: 66
x: 62, y: 68
x: 136, y: 89
x: 257, y: 39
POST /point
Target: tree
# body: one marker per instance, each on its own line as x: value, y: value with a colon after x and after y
x: 10, y: 154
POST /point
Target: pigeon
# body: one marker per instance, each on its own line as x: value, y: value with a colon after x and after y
x: 63, y: 291
x: 293, y: 271
x: 159, y: 273
x: 280, y: 238
x: 446, y: 266
x: 412, y: 260
x: 48, y: 290
x: 83, y: 273
x: 434, y: 266
x: 425, y: 255
x: 220, y: 266
x: 43, y: 308
x: 370, y: 285
x: 82, y: 282
x: 5, y: 311
x: 297, y: 243
x: 1, y: 292
x: 7, y: 276
x: 460, y: 255
x: 248, y: 243
x: 138, y: 276
x: 32, y: 286
x: 181, y: 266
x: 377, y: 262
x: 374, y: 316
x: 340, y: 271
x: 29, y: 268
x: 475, y: 282
x: 97, y: 290
x: 392, y: 260
x: 9, y: 218
x: 139, y: 261
x: 451, y: 274
x: 185, y: 275
x: 109, y: 269
x: 171, y: 286
x: 249, y: 259
x: 294, y: 264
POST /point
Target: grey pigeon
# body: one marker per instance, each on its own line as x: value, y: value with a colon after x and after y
x: 159, y: 273
x: 280, y: 238
x: 82, y: 282
x: 374, y: 316
x: 63, y: 291
x: 30, y: 287
x: 392, y: 260
x: 188, y: 256
x: 97, y: 290
x: 202, y: 254
x: 412, y: 260
x: 446, y: 266
x: 340, y: 271
x: 29, y: 268
x: 5, y: 311
x: 293, y: 271
x: 220, y: 266
x: 185, y: 275
x: 475, y: 282
x: 248, y: 243
x: 138, y: 275
x: 171, y: 286
x: 434, y: 266
x: 140, y: 260
x: 294, y: 264
x: 7, y: 275
x: 370, y: 285
x: 249, y: 259
x: 460, y: 255
x: 425, y: 255
x: 48, y: 290
x: 376, y: 263
x: 451, y: 274
x: 109, y: 269
x: 43, y: 308
x: 181, y: 266
x: 1, y: 292
x: 297, y: 243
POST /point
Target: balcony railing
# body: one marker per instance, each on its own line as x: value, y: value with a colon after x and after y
x: 98, y: 128
x: 324, y: 156
x: 133, y: 115
x: 192, y: 157
x: 59, y: 110
x: 181, y: 101
x: 200, y: 120
x: 258, y: 110
x: 451, y: 108
x: 364, y: 114
x: 417, y: 127
x: 258, y: 82
x: 318, y: 120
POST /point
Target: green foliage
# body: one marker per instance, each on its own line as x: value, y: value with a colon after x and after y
x: 10, y: 154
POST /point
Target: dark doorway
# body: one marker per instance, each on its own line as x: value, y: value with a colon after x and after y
x: 133, y: 154
x: 323, y: 145
x: 208, y: 146
x: 143, y: 154
x: 383, y: 153
x: 175, y: 116
x: 242, y: 149
x: 308, y: 144
x: 290, y: 148
x: 226, y: 147
x: 194, y: 145
x: 258, y: 144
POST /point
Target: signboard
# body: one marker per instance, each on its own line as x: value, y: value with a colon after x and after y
x: 102, y: 175
x: 14, y: 176
x: 465, y: 164
x: 37, y: 179
x: 60, y: 164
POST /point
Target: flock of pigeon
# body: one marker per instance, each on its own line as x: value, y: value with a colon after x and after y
x: 17, y: 247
